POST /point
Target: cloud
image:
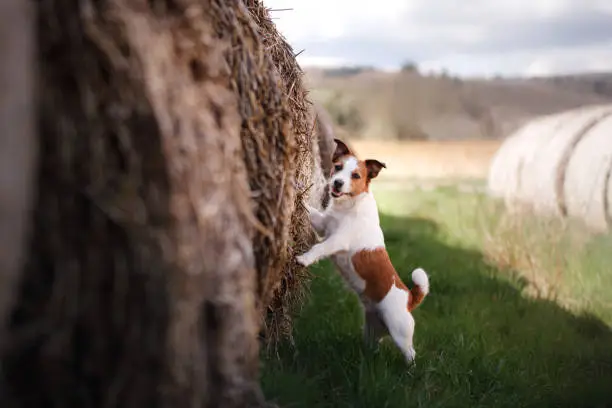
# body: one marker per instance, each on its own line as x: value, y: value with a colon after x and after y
x: 502, y: 36
x: 525, y: 63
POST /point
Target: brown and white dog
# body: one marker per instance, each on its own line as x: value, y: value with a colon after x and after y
x: 354, y: 241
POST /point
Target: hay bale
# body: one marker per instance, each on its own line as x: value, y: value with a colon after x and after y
x: 17, y: 142
x: 543, y: 170
x: 502, y: 170
x: 325, y: 135
x: 176, y: 146
x: 528, y: 168
x: 558, y: 165
x: 585, y: 186
x: 504, y: 179
x: 280, y: 149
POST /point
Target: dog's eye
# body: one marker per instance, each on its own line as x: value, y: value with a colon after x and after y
x: 355, y: 176
x: 338, y: 167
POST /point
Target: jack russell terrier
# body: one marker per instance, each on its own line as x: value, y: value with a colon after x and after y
x: 355, y: 243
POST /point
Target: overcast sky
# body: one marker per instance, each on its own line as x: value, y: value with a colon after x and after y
x: 469, y: 37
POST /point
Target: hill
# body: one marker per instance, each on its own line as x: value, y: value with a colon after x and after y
x: 370, y: 104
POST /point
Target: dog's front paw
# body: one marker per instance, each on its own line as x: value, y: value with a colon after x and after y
x: 303, y: 259
x: 310, y: 208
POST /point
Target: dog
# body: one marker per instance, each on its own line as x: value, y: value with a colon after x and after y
x: 354, y: 241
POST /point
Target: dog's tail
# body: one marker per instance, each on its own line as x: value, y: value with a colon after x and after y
x: 420, y: 288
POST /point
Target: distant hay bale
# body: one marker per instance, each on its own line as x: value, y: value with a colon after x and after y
x: 176, y: 149
x: 535, y: 166
x: 543, y: 172
x: 506, y: 175
x: 505, y: 171
x: 586, y: 187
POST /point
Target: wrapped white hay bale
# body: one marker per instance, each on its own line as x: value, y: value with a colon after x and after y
x: 543, y: 168
x: 505, y: 173
x: 586, y: 187
x: 535, y: 167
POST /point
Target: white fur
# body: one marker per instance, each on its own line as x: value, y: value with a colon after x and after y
x: 399, y: 321
x: 419, y: 277
x: 349, y: 166
x: 351, y: 224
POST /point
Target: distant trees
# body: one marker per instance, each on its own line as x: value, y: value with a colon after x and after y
x: 409, y: 66
x: 344, y: 112
x: 345, y: 71
x: 602, y: 87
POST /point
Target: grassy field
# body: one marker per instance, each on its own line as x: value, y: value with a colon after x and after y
x: 486, y: 336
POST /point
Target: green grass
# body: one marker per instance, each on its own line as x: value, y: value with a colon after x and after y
x: 480, y: 340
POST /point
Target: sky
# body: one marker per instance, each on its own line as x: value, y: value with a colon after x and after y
x: 466, y: 38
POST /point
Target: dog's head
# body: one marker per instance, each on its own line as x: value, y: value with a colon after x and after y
x: 350, y: 176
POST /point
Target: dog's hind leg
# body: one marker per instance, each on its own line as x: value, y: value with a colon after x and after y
x: 399, y: 321
x: 401, y: 327
x: 374, y: 328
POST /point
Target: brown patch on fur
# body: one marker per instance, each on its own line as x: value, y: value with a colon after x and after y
x: 375, y: 268
x: 341, y: 150
x: 416, y: 294
x: 416, y: 297
x: 373, y: 167
x: 362, y: 183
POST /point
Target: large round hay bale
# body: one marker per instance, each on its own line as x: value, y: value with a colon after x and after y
x: 175, y: 147
x: 586, y: 189
x: 536, y: 166
x: 504, y: 164
x: 505, y: 171
x: 523, y: 153
x: 543, y: 169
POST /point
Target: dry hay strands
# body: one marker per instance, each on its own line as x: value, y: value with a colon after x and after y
x: 277, y: 143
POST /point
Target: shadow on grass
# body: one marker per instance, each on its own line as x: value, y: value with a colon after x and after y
x: 479, y: 342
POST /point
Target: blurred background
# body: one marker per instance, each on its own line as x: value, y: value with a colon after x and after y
x: 400, y: 73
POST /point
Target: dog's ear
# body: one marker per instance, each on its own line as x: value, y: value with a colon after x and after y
x: 374, y: 167
x: 341, y: 150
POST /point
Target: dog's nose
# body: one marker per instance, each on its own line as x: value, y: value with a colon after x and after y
x: 338, y: 184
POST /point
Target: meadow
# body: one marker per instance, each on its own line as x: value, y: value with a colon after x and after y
x: 519, y: 313
x: 408, y: 105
